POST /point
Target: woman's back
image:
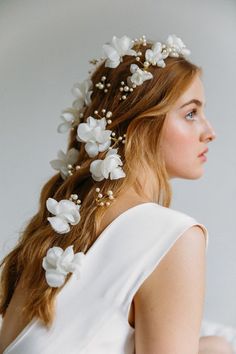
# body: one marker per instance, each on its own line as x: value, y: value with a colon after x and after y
x: 92, y: 313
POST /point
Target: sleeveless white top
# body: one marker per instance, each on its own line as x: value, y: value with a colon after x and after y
x: 92, y: 311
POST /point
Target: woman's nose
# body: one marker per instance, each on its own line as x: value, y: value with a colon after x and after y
x: 210, y: 133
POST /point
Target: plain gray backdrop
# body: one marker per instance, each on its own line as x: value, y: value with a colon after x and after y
x: 45, y: 48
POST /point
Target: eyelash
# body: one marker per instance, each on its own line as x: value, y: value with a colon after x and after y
x: 193, y: 111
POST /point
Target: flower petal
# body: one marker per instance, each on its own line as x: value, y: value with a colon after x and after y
x: 91, y: 148
x: 72, y: 156
x: 54, y: 278
x: 95, y: 169
x: 56, y: 164
x: 68, y: 117
x: 117, y: 173
x: 51, y: 205
x: 63, y: 127
x: 59, y: 224
x: 51, y: 258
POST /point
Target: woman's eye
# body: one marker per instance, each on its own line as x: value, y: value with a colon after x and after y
x: 191, y: 114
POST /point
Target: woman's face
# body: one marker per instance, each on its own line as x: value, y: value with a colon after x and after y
x: 186, y: 134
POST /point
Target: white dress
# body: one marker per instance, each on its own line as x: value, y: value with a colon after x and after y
x: 92, y: 311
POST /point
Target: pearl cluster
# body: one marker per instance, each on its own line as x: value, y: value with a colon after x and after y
x: 141, y: 41
x: 75, y: 198
x: 72, y: 169
x: 117, y: 140
x: 105, y: 115
x: 102, y: 85
x: 125, y: 89
x: 101, y: 199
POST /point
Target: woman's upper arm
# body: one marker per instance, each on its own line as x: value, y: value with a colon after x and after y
x: 169, y: 304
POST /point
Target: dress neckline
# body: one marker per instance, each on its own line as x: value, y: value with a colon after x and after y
x: 32, y: 323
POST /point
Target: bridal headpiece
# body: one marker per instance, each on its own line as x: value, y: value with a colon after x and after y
x: 97, y: 138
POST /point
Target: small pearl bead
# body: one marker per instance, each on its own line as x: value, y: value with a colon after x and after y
x: 77, y: 167
x: 97, y: 189
x: 109, y: 114
x: 109, y: 121
x: 101, y: 204
x: 108, y: 203
x: 104, y: 78
x: 103, y: 111
x: 123, y: 97
x: 106, y: 90
x: 111, y: 197
x: 126, y: 88
x: 122, y: 83
x: 121, y: 89
x: 113, y: 134
x: 110, y: 192
x: 95, y: 112
x: 100, y: 195
x: 69, y: 166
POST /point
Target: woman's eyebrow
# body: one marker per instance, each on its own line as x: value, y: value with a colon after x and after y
x: 194, y: 100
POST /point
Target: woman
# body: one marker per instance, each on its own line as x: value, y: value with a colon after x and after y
x: 136, y: 123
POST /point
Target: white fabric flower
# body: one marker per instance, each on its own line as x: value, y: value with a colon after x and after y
x: 139, y: 75
x: 101, y: 169
x: 58, y: 263
x: 65, y: 212
x: 177, y: 46
x: 155, y: 55
x: 61, y: 164
x: 66, y: 125
x: 82, y: 92
x: 94, y: 134
x: 117, y: 49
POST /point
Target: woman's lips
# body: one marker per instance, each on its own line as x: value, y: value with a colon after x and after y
x: 202, y: 157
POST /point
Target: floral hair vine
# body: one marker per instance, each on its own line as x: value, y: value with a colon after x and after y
x: 97, y: 138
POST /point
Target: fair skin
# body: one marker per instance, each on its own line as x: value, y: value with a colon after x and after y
x: 185, y: 136
x: 163, y: 323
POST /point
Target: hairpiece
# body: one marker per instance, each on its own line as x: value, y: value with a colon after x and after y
x: 97, y: 138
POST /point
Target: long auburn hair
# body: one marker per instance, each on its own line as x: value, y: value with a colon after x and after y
x: 141, y: 117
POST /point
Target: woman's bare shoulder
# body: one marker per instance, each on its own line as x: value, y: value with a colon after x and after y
x: 170, y: 301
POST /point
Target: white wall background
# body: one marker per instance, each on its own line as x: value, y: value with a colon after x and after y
x: 45, y: 47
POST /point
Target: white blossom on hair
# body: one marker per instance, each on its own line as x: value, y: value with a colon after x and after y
x: 117, y: 49
x: 67, y: 120
x: 95, y: 136
x: 176, y: 46
x: 139, y: 75
x: 82, y: 92
x: 101, y: 169
x: 155, y: 56
x: 65, y: 212
x: 64, y: 161
x: 58, y: 263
